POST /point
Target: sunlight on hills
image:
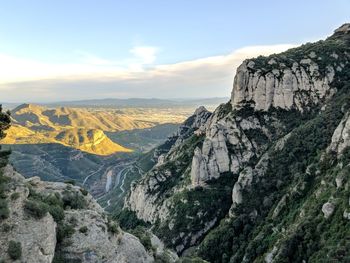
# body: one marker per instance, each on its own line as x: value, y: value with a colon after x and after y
x: 83, y: 128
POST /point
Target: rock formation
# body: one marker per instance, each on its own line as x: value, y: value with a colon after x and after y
x: 258, y: 174
x: 40, y: 233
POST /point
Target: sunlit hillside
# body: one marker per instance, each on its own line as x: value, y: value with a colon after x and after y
x: 84, y: 128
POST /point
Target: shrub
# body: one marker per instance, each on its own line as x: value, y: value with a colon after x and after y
x: 57, y: 213
x: 36, y: 208
x: 15, y: 196
x: 83, y: 229
x: 53, y: 199
x: 128, y: 219
x: 4, y: 210
x: 145, y: 239
x: 64, y: 231
x: 14, y: 250
x: 6, y: 227
x: 84, y: 191
x: 70, y: 181
x: 73, y: 200
x: 112, y: 227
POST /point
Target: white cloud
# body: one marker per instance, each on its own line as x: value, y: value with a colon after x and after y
x: 146, y: 54
x: 28, y: 80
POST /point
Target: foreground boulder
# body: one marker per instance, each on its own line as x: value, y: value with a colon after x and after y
x: 58, y: 222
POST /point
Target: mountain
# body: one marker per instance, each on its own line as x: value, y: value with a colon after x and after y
x: 38, y: 117
x: 57, y: 222
x: 139, y: 103
x: 265, y: 177
x: 77, y: 128
x: 91, y: 141
x: 144, y: 140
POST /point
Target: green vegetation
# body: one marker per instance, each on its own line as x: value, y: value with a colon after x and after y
x: 73, y: 200
x: 64, y: 231
x: 4, y: 210
x: 15, y: 196
x: 142, y: 140
x: 84, y: 191
x: 194, y: 208
x: 128, y: 220
x: 296, y: 173
x: 144, y: 236
x: 191, y: 260
x: 112, y: 227
x: 4, y: 155
x: 323, y: 50
x: 14, y: 250
x: 83, y: 229
x: 70, y: 181
x: 36, y: 208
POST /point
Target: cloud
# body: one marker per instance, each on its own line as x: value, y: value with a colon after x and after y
x: 27, y: 80
x: 145, y: 53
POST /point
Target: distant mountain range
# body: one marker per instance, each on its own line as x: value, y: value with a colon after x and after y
x: 132, y: 103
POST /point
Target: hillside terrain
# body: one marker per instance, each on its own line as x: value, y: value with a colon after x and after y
x: 265, y: 177
x: 85, y: 129
x: 57, y: 222
x: 143, y: 140
x: 140, y: 103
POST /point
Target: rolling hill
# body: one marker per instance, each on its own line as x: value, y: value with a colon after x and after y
x: 76, y: 128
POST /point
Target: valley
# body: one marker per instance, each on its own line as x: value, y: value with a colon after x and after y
x: 97, y: 147
x: 175, y: 131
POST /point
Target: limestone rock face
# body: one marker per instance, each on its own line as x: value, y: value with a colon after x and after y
x: 341, y: 136
x: 249, y: 175
x: 143, y: 198
x: 97, y: 243
x: 226, y: 147
x: 297, y: 87
x: 270, y: 98
x: 199, y: 171
x: 328, y: 209
x: 38, y: 235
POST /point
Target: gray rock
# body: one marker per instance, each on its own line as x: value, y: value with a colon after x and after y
x: 38, y: 236
x: 281, y: 88
x: 328, y: 209
x: 341, y: 136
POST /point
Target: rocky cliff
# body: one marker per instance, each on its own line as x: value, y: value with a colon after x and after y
x: 57, y: 222
x: 258, y: 175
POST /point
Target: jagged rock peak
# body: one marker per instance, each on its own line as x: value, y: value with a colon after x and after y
x: 299, y: 78
x: 342, y: 33
x: 198, y: 118
x: 199, y: 110
x: 345, y: 29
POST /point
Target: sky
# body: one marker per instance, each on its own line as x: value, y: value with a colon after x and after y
x: 88, y: 49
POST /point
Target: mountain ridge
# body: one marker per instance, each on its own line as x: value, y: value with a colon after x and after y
x: 241, y: 187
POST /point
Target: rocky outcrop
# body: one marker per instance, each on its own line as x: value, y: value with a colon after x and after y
x: 98, y: 244
x: 254, y: 145
x: 144, y: 196
x: 299, y: 86
x: 328, y: 209
x: 90, y: 241
x: 36, y: 236
x: 341, y: 136
x: 227, y: 146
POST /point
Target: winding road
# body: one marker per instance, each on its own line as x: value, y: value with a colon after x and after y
x: 119, y: 180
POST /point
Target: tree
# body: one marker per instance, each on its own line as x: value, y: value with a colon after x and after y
x: 5, y: 123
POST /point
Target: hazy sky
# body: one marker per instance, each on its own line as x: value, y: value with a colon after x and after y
x: 80, y: 49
